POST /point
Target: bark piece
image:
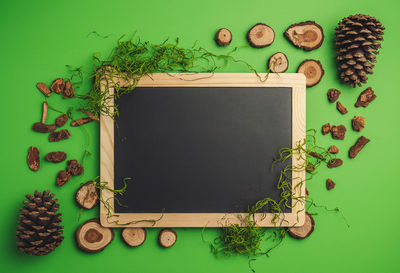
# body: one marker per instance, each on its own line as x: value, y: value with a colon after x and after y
x: 74, y: 168
x: 307, y: 193
x: 59, y: 135
x: 333, y: 94
x: 317, y: 155
x: 303, y: 231
x: 278, y: 63
x: 341, y: 108
x: 43, y: 88
x: 62, y: 178
x: 44, y: 112
x: 81, y: 121
x: 87, y: 196
x: 223, y: 37
x: 43, y: 128
x: 56, y: 157
x: 61, y: 120
x: 338, y: 132
x: 58, y: 86
x: 365, y: 97
x: 69, y: 91
x: 313, y: 71
x: 356, y: 148
x: 358, y: 123
x: 33, y: 159
x: 89, y: 114
x: 310, y: 167
x: 326, y: 128
x: 260, y: 35
x: 305, y: 35
x: 91, y: 237
x: 167, y: 237
x: 333, y: 149
x: 335, y: 162
x: 330, y: 184
x: 134, y: 237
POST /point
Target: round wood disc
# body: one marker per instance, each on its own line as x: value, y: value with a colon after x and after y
x: 134, y: 236
x: 223, y: 37
x: 278, y: 63
x: 167, y: 237
x: 87, y: 195
x: 313, y: 71
x: 306, y: 35
x: 303, y: 231
x: 92, y: 237
x: 260, y: 35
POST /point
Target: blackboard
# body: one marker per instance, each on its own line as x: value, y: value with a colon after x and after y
x: 197, y: 149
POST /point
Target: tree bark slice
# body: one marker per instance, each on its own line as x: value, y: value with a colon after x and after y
x: 91, y: 237
x: 303, y: 231
x: 223, y: 37
x: 56, y: 157
x: 278, y: 63
x: 134, y: 237
x: 356, y: 148
x: 260, y: 35
x: 87, y: 196
x: 43, y: 128
x: 44, y: 112
x: 58, y: 86
x: 305, y: 35
x: 81, y: 121
x: 167, y: 238
x: 313, y: 71
x: 43, y: 88
x: 33, y: 159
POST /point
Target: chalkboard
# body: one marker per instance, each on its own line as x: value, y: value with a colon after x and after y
x: 202, y: 148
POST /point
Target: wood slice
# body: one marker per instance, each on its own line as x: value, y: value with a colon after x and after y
x: 303, y: 231
x: 167, y: 237
x: 313, y: 71
x: 92, y: 237
x: 223, y: 37
x: 87, y: 196
x: 260, y: 35
x: 134, y: 236
x: 305, y: 35
x: 278, y: 63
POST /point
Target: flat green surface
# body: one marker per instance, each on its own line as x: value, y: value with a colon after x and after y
x: 38, y: 38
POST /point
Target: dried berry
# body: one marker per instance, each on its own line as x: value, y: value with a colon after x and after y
x: 335, y: 162
x: 338, y: 132
x: 74, y: 168
x: 43, y: 128
x: 365, y: 97
x: 43, y: 88
x: 333, y: 94
x: 69, y: 91
x: 58, y: 86
x: 326, y: 128
x: 56, y: 157
x: 330, y: 184
x: 341, y: 108
x: 333, y: 149
x: 80, y: 122
x: 62, y: 178
x: 358, y: 123
x: 60, y: 135
x: 356, y: 148
x: 61, y: 120
x: 33, y: 159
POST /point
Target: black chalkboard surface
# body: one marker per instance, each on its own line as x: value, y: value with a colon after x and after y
x: 200, y: 149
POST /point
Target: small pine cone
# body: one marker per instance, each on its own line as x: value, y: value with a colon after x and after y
x: 39, y: 231
x: 358, y: 39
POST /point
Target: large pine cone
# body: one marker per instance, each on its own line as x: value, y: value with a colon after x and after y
x: 39, y: 231
x: 357, y: 42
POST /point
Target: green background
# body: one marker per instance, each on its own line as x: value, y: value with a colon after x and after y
x: 38, y: 38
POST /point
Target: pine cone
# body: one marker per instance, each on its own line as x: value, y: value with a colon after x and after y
x: 39, y: 231
x: 357, y: 42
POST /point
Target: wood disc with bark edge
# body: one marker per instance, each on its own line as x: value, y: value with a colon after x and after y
x: 260, y: 35
x: 167, y: 237
x: 278, y: 63
x: 87, y: 196
x: 223, y: 37
x: 305, y: 35
x: 134, y: 237
x: 303, y: 231
x: 313, y: 71
x: 91, y: 237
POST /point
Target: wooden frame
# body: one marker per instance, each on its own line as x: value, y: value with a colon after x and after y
x: 296, y: 218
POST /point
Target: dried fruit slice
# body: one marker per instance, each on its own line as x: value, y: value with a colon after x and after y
x: 278, y: 63
x: 303, y: 231
x: 223, y: 37
x: 92, y: 237
x: 167, y: 237
x: 87, y: 196
x: 305, y: 35
x: 134, y: 236
x: 260, y: 35
x: 33, y: 159
x: 313, y: 71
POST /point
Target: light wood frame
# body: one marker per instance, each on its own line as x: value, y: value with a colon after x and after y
x: 296, y: 218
